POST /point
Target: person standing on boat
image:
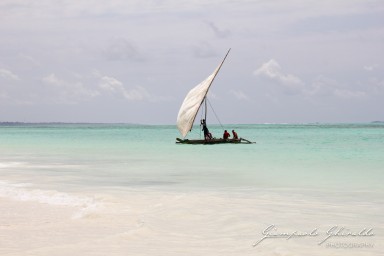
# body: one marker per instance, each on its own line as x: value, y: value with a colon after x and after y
x: 235, y: 137
x: 207, y: 134
x: 226, y: 135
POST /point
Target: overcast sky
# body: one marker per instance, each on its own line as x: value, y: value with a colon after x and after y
x: 133, y: 61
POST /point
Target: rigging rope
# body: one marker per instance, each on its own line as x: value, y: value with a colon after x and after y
x: 222, y: 127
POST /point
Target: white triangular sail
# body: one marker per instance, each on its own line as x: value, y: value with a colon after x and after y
x: 193, y: 101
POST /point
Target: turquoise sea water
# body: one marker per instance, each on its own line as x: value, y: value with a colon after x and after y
x: 119, y: 189
x: 316, y: 156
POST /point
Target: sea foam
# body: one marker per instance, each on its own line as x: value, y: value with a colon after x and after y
x: 25, y: 192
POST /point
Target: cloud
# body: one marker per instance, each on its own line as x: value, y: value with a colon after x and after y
x: 67, y: 92
x: 204, y: 50
x: 220, y: 33
x: 273, y: 71
x: 370, y: 67
x: 323, y: 86
x: 3, y: 96
x: 240, y: 95
x: 381, y: 84
x: 339, y: 22
x: 8, y: 75
x: 349, y: 94
x: 28, y: 59
x: 122, y: 49
x: 291, y: 84
x: 114, y: 86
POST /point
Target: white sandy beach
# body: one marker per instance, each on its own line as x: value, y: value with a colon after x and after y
x: 149, y: 222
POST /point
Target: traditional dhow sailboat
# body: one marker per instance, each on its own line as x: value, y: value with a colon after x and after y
x: 190, y: 107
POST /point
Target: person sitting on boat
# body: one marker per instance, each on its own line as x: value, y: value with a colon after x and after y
x: 226, y: 135
x: 207, y: 134
x: 235, y: 137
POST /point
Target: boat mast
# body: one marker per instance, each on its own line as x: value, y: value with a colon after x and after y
x: 205, y: 100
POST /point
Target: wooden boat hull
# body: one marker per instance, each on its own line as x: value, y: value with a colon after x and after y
x: 212, y: 141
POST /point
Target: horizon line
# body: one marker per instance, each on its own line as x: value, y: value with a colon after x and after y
x: 128, y: 123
